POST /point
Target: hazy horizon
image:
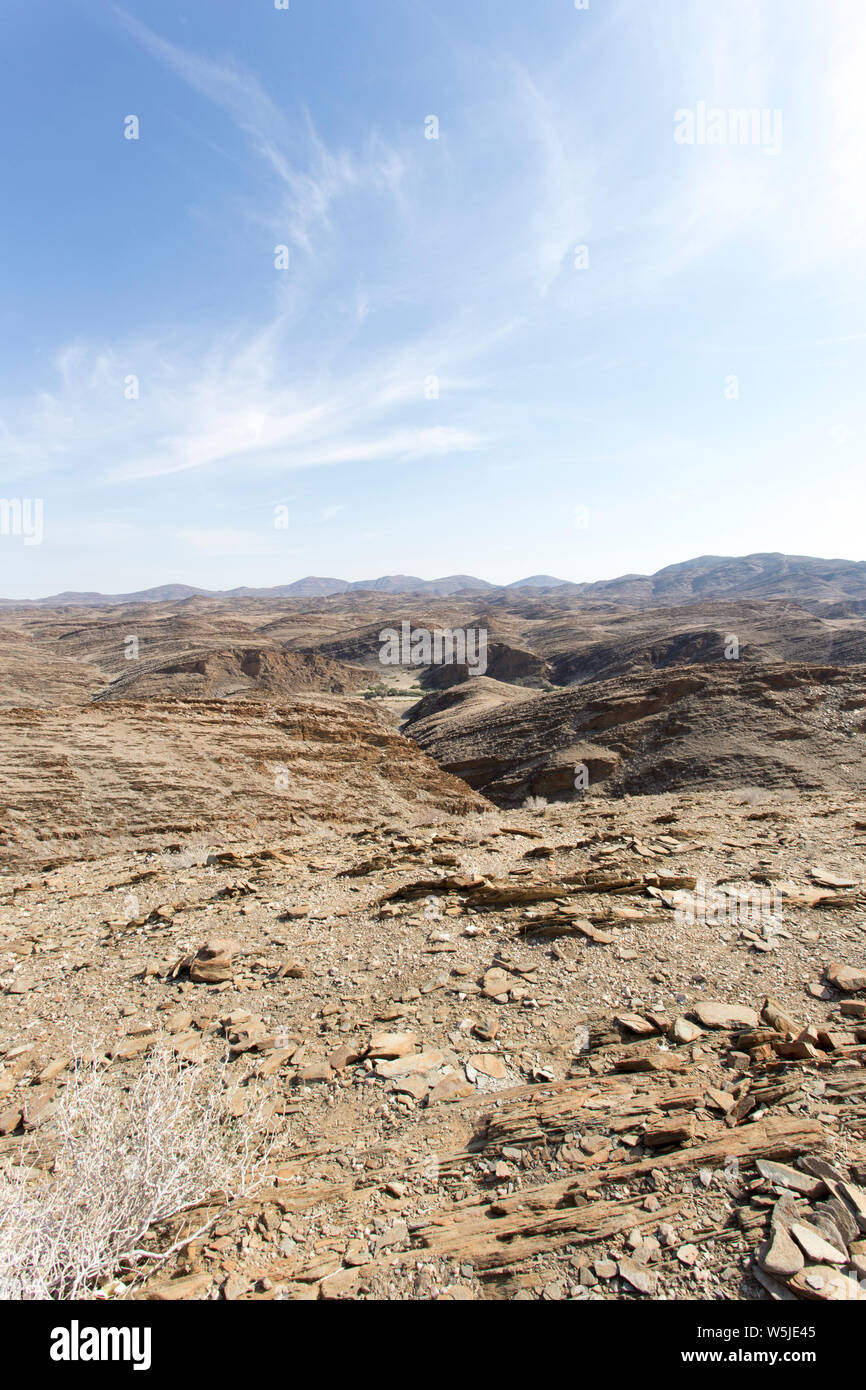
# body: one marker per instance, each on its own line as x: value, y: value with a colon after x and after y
x: 426, y: 579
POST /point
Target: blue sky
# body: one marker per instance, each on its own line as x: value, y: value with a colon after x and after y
x: 583, y: 421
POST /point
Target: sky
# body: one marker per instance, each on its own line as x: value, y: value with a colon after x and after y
x: 359, y: 287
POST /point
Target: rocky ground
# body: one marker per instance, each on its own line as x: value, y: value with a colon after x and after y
x: 603, y: 1049
x: 505, y: 1033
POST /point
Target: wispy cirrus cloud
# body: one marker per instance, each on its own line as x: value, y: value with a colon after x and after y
x: 193, y: 414
x: 312, y: 187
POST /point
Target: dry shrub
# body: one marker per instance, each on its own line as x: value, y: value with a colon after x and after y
x: 123, y: 1160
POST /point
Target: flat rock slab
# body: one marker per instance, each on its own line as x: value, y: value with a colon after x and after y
x: 391, y: 1045
x: 635, y: 1023
x: 715, y: 1015
x: 651, y: 1061
x: 783, y: 1258
x: 643, y: 1280
x: 827, y: 1284
x: 817, y: 1249
x: 856, y: 1198
x: 418, y: 1064
x: 829, y: 879
x: 684, y: 1031
x: 495, y: 983
x: 316, y: 1071
x: 169, y: 1290
x: 449, y: 1089
x: 781, y: 1175
x: 414, y: 1086
x: 488, y: 1064
x: 10, y: 1119
x: 845, y: 977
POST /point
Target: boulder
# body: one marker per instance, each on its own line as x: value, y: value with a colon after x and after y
x: 212, y: 963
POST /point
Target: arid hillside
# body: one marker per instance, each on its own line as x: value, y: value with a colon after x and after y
x: 542, y: 983
x: 703, y: 726
x: 89, y: 781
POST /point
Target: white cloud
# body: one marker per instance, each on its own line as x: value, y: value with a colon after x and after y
x: 231, y: 407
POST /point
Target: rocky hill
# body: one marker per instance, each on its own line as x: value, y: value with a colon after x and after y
x: 720, y: 726
x: 89, y: 781
x: 233, y: 673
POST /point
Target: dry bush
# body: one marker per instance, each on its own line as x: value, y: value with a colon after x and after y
x: 192, y: 856
x: 123, y: 1160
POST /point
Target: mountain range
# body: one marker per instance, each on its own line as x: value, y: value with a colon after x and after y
x: 758, y: 576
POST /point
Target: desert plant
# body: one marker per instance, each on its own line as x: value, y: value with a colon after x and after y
x: 122, y: 1161
x: 191, y: 856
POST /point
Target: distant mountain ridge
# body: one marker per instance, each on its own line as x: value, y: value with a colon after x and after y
x: 313, y: 586
x: 801, y: 578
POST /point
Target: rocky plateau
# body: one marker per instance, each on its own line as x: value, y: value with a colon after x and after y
x: 547, y: 983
